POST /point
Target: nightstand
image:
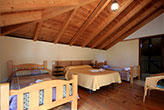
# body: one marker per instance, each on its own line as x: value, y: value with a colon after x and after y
x: 58, y: 71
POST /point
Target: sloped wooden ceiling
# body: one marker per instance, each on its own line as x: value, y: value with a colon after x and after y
x: 85, y: 23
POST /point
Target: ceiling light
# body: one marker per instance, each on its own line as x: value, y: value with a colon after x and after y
x: 114, y: 6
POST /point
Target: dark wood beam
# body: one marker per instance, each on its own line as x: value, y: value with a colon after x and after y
x: 133, y: 8
x: 137, y: 18
x: 10, y: 29
x: 91, y: 18
x: 65, y: 25
x: 37, y: 30
x: 138, y: 26
x: 108, y: 20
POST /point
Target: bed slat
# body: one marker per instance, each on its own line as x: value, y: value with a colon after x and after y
x: 74, y: 93
x: 20, y: 101
x: 67, y: 90
x: 59, y: 89
x: 33, y: 99
x: 47, y: 96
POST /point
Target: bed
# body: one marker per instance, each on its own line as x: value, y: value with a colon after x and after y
x: 31, y: 86
x: 127, y: 73
x: 92, y: 79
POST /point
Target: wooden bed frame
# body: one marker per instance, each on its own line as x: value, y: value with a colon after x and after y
x: 132, y: 69
x: 73, y: 62
x: 34, y: 89
x: 99, y: 64
x: 66, y: 63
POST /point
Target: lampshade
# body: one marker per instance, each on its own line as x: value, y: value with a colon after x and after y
x: 114, y: 6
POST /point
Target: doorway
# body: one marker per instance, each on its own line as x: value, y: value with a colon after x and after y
x: 151, y: 56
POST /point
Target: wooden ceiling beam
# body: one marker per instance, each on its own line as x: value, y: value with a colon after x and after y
x: 133, y: 8
x: 65, y: 25
x: 163, y: 3
x: 137, y: 18
x: 100, y: 7
x: 46, y: 14
x: 9, y: 29
x: 138, y: 26
x: 37, y: 30
x: 53, y: 12
x: 20, y: 17
x: 108, y: 20
x: 23, y: 5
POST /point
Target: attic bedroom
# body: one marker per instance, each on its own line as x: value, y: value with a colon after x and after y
x: 81, y: 54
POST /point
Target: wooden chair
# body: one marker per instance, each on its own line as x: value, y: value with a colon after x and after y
x: 151, y: 83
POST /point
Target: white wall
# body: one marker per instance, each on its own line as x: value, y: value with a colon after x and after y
x: 124, y: 54
x: 155, y: 27
x: 28, y: 51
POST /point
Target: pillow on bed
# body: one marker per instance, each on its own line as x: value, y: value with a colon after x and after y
x: 23, y: 73
x: 43, y: 71
x: 31, y: 72
x: 35, y: 72
x: 127, y: 68
x: 106, y: 66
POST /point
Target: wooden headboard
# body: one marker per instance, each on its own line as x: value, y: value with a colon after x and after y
x: 73, y: 63
x: 99, y: 64
x: 12, y: 68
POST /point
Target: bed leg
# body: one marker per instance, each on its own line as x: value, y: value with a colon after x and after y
x: 75, y: 91
x: 131, y: 75
x: 74, y: 105
x: 90, y: 91
x: 139, y: 74
x: 4, y: 96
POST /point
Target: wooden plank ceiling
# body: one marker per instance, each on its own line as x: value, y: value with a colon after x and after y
x: 85, y: 23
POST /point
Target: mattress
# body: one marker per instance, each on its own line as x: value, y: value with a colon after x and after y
x: 124, y: 75
x: 93, y: 80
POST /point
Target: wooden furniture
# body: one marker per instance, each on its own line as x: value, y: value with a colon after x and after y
x: 59, y: 66
x: 65, y: 63
x: 34, y: 89
x: 92, y: 79
x: 58, y: 70
x: 151, y: 83
x: 132, y: 73
x: 12, y: 68
x: 99, y: 64
x: 86, y: 63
